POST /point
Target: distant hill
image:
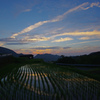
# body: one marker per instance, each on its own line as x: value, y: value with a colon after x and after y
x: 47, y: 57
x: 92, y: 58
x: 95, y: 53
x: 7, y: 51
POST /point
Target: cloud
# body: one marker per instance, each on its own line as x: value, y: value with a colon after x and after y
x: 53, y: 31
x: 25, y: 40
x: 27, y: 10
x: 28, y: 29
x: 86, y: 35
x: 66, y: 47
x: 1, y: 43
x: 84, y: 38
x: 38, y: 39
x: 21, y: 10
x: 44, y: 47
x: 63, y: 39
x: 27, y: 6
x: 16, y: 43
x: 85, y: 42
x: 77, y: 7
x: 11, y: 41
x: 49, y: 47
x: 56, y: 19
x: 76, y: 33
x: 60, y: 17
x: 97, y: 4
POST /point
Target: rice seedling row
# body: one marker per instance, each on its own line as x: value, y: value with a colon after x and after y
x: 40, y: 82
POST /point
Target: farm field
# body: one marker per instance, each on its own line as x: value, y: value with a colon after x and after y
x: 44, y: 82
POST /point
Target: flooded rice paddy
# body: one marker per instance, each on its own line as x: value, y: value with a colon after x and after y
x: 41, y: 82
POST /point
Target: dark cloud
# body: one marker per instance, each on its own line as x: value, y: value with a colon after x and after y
x: 9, y: 40
x: 53, y: 47
x: 43, y: 48
x: 12, y: 41
x: 66, y: 47
x: 16, y: 43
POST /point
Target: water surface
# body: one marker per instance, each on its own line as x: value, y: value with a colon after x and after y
x: 41, y: 82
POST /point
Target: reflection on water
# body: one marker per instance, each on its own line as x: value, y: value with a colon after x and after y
x: 36, y: 82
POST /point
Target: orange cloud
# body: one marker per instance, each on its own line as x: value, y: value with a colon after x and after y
x: 63, y: 39
x: 27, y: 10
x: 42, y: 50
x: 1, y: 43
x: 39, y: 39
x: 84, y: 38
x: 76, y: 33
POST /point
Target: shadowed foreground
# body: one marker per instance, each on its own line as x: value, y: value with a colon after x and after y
x: 44, y: 82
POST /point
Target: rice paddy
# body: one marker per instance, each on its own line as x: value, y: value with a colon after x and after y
x: 43, y: 82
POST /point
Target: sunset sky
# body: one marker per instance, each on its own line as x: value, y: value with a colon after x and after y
x: 62, y: 27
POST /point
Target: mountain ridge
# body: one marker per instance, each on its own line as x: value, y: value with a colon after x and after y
x: 4, y: 50
x: 47, y: 57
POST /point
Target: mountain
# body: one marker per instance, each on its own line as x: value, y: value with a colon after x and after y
x: 95, y: 53
x: 47, y: 57
x: 8, y: 51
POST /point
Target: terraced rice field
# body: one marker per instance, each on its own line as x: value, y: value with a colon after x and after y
x: 41, y: 82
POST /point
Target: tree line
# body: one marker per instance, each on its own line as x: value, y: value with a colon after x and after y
x: 92, y: 58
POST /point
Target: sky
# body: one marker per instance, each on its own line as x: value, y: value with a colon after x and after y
x: 62, y: 27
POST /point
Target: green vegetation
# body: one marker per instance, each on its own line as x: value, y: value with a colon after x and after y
x: 34, y: 79
x: 93, y: 73
x: 93, y: 58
